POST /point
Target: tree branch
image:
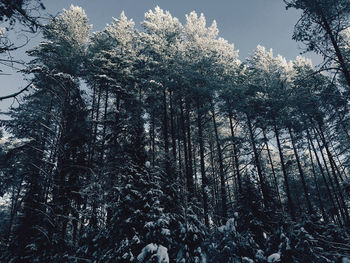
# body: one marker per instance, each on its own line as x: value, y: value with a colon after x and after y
x: 14, y: 95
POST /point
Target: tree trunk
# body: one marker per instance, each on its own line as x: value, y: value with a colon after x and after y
x: 330, y: 178
x: 165, y: 133
x: 221, y: 168
x: 202, y: 163
x: 104, y: 127
x: 284, y: 171
x: 235, y: 153
x: 341, y: 196
x: 324, y: 215
x: 257, y: 164
x: 323, y: 175
x: 273, y: 169
x: 336, y: 47
x: 301, y: 173
x: 189, y: 146
x: 189, y: 178
x: 214, y: 185
x: 172, y: 128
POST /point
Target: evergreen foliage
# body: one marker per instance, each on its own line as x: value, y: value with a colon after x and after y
x: 159, y: 145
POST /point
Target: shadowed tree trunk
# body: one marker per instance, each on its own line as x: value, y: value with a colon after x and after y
x: 257, y: 164
x: 221, y: 169
x: 301, y: 173
x: 284, y: 171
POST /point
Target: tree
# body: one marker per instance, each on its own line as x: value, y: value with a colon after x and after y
x: 322, y: 27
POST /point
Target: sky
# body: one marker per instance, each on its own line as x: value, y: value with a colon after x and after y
x: 245, y: 23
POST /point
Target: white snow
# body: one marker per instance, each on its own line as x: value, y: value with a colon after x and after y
x: 154, y: 251
x: 275, y: 257
x: 260, y: 255
x: 149, y: 249
x: 247, y: 260
x: 162, y: 254
x: 345, y: 260
x: 230, y: 225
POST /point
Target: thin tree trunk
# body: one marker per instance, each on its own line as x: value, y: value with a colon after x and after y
x: 284, y: 171
x: 172, y: 128
x: 324, y: 215
x: 330, y: 178
x: 165, y: 133
x: 273, y: 169
x: 202, y: 162
x: 214, y: 188
x: 221, y: 169
x: 189, y: 145
x: 336, y: 47
x: 301, y: 173
x: 257, y: 163
x: 94, y: 137
x: 341, y: 196
x: 153, y: 137
x: 189, y: 178
x: 104, y: 127
x: 235, y: 153
x: 323, y: 175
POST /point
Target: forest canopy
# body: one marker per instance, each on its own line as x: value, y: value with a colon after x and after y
x: 160, y: 145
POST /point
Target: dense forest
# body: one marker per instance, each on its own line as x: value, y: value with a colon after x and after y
x: 158, y: 144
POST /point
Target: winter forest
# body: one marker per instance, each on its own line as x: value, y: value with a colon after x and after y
x: 156, y: 143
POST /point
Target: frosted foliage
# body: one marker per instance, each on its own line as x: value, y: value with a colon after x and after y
x: 202, y: 47
x: 264, y: 61
x: 65, y: 44
x: 346, y: 38
x: 121, y: 30
x: 261, y: 58
x: 268, y: 68
x: 276, y: 257
x: 162, y: 35
x: 161, y: 23
x: 302, y: 62
x: 71, y: 25
x: 196, y: 27
x: 301, y: 65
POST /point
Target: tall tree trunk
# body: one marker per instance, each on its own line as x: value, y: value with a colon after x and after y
x: 189, y: 146
x: 324, y: 215
x: 336, y: 47
x: 189, y: 178
x: 273, y: 169
x: 104, y: 127
x: 330, y: 196
x: 284, y: 171
x: 301, y: 173
x: 235, y: 153
x: 341, y: 196
x: 172, y: 128
x: 153, y: 136
x: 221, y: 168
x: 165, y: 133
x: 202, y: 162
x: 332, y: 184
x: 214, y: 185
x: 95, y: 127
x: 257, y: 164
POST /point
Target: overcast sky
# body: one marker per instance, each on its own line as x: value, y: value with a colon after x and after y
x: 245, y: 23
